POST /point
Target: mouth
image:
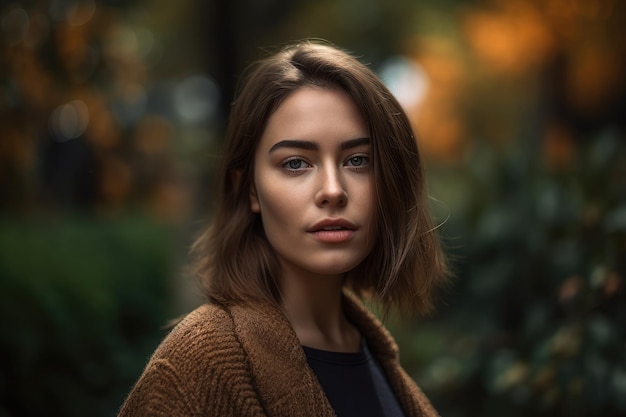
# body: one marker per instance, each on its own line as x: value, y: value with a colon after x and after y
x: 331, y: 225
x: 332, y: 228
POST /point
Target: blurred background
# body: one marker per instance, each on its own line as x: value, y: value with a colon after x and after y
x: 111, y: 116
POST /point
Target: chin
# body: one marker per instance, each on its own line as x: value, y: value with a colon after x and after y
x: 334, y: 267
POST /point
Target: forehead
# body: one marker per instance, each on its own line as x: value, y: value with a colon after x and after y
x: 315, y: 114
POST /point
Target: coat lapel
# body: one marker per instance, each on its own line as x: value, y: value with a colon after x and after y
x: 286, y: 385
x: 383, y: 347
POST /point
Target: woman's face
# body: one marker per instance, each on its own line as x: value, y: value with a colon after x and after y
x: 313, y: 183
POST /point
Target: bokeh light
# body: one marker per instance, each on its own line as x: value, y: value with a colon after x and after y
x: 69, y: 121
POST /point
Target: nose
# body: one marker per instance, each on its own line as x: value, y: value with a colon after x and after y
x: 332, y: 191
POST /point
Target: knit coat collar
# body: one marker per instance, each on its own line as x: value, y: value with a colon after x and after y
x: 285, y: 383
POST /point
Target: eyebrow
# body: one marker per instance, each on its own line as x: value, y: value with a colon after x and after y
x: 312, y: 146
x: 353, y: 143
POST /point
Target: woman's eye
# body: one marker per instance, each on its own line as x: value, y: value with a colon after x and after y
x: 295, y: 164
x: 358, y: 161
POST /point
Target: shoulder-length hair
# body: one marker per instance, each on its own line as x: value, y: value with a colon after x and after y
x: 234, y: 260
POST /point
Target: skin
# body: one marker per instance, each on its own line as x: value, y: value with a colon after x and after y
x: 312, y: 168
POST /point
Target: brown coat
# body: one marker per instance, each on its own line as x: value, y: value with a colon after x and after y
x: 247, y: 361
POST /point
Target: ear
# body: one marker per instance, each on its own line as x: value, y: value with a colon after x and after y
x: 255, y: 206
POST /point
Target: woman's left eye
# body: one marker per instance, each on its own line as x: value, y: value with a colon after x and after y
x: 358, y: 161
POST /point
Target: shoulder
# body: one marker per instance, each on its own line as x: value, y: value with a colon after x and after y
x: 181, y: 375
x: 205, y: 332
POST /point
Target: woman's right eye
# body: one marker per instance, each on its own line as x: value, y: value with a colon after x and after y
x: 295, y: 164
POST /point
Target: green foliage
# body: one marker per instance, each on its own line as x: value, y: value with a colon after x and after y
x: 536, y: 321
x: 82, y: 305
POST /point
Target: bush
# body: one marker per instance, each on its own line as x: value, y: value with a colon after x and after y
x: 82, y: 305
x: 536, y: 322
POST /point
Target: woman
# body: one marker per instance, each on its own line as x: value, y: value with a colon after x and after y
x: 322, y: 202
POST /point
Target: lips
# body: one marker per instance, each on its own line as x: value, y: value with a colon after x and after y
x: 332, y: 225
x: 333, y: 230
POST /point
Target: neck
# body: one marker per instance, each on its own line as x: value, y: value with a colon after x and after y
x: 313, y: 305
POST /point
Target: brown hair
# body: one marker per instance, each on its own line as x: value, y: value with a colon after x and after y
x: 234, y: 260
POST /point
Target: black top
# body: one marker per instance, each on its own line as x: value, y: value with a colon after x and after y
x: 354, y: 383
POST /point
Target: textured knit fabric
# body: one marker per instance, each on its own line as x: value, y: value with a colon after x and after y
x: 247, y: 361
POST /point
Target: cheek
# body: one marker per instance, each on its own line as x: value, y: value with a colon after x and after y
x: 276, y: 205
x: 365, y: 196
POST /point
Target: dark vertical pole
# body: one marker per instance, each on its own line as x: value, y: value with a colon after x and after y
x: 222, y: 33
